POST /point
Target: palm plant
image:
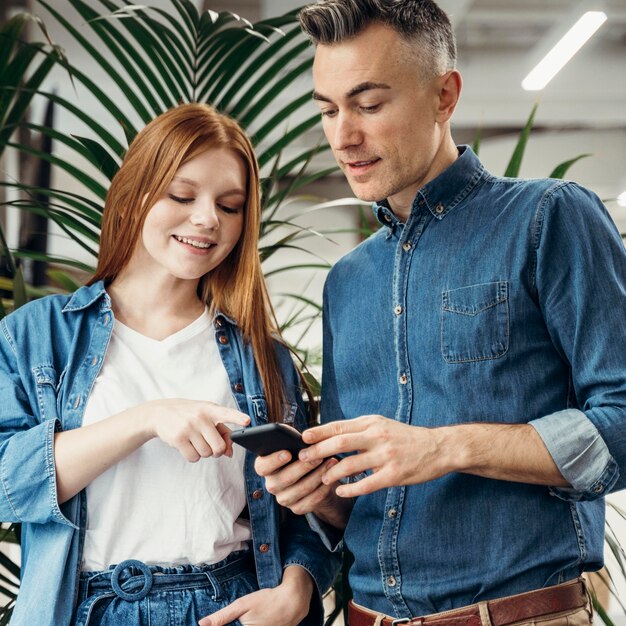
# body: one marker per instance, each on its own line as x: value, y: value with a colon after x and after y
x: 18, y: 59
x: 157, y: 58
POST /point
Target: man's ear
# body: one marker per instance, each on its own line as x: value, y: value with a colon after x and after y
x: 450, y: 85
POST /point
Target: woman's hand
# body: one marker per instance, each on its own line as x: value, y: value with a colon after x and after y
x: 285, y: 605
x: 195, y: 428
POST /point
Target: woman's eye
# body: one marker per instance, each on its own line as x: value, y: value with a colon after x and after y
x: 329, y: 113
x: 180, y: 199
x: 228, y: 209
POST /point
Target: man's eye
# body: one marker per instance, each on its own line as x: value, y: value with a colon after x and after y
x: 329, y: 113
x: 370, y: 109
x: 180, y: 199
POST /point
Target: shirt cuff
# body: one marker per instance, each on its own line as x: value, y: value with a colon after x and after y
x: 331, y: 537
x: 580, y: 454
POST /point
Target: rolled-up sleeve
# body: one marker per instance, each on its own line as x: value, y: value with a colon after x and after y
x: 580, y: 454
x: 581, y: 287
x: 28, y: 491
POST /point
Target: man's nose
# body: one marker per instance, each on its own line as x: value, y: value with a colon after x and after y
x: 347, y: 132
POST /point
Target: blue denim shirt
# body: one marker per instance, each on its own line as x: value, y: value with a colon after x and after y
x: 499, y: 300
x: 51, y: 351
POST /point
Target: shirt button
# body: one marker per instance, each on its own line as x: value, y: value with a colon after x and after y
x: 257, y: 494
x: 439, y: 209
x: 238, y: 387
x: 77, y: 401
x: 223, y: 339
x: 407, y: 246
x: 264, y: 547
x: 392, y: 513
x: 398, y: 310
x: 218, y: 322
x: 387, y: 218
x: 391, y: 581
x: 598, y: 489
x: 106, y: 319
x: 404, y: 379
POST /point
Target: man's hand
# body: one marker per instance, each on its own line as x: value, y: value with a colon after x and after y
x: 285, y: 605
x: 299, y: 487
x: 400, y: 454
x: 396, y: 453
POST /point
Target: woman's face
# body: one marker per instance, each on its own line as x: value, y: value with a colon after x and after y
x: 197, y: 222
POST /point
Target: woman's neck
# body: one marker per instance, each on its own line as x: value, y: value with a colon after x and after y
x: 157, y: 309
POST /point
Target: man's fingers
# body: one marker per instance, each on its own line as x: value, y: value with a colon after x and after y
x: 337, y: 445
x: 348, y: 466
x: 367, y: 485
x: 295, y: 491
x: 332, y: 429
x: 266, y: 465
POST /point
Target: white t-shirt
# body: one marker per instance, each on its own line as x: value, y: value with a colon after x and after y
x: 154, y: 505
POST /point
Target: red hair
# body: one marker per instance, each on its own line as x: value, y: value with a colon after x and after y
x: 236, y: 287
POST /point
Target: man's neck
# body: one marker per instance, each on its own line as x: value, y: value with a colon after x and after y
x: 446, y: 155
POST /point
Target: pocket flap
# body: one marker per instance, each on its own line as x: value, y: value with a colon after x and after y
x: 473, y: 299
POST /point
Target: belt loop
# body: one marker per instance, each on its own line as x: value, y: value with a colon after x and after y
x: 379, y: 619
x: 589, y: 607
x: 485, y: 618
x: 217, y: 588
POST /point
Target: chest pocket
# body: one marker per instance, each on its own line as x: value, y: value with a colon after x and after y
x: 259, y: 409
x: 475, y: 322
x: 47, y: 382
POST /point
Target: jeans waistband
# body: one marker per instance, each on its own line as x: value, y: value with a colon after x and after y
x: 132, y: 580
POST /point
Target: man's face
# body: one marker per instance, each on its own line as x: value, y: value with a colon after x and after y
x: 379, y: 115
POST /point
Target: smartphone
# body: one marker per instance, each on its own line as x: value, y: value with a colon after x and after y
x: 268, y: 438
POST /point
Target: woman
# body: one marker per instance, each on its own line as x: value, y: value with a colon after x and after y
x: 114, y: 447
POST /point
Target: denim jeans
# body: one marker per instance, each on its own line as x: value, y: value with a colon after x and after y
x: 135, y: 594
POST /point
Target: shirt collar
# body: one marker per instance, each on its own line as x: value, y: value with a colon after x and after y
x: 87, y: 296
x: 444, y: 192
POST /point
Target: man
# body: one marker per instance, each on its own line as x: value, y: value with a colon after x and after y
x: 473, y: 350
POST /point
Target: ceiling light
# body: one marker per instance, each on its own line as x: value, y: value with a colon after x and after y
x: 564, y: 50
x: 621, y: 199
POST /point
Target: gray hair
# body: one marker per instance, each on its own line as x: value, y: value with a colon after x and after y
x: 421, y: 23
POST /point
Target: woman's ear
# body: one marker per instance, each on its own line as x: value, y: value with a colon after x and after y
x: 450, y: 85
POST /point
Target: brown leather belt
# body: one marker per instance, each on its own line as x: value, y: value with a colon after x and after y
x: 503, y: 611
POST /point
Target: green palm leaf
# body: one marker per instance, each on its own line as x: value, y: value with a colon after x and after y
x: 515, y: 164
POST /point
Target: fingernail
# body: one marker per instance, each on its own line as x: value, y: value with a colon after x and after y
x: 283, y: 456
x: 304, y: 455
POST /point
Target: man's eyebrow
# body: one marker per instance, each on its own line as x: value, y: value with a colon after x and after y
x: 355, y: 91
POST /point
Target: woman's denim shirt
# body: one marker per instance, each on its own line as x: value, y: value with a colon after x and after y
x: 51, y: 351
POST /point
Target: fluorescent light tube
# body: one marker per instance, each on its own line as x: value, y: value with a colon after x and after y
x: 621, y: 199
x: 564, y: 50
